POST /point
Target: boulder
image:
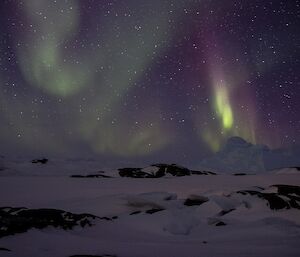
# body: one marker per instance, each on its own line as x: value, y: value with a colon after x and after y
x: 42, y: 161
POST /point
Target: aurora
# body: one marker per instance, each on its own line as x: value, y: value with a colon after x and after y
x: 137, y: 80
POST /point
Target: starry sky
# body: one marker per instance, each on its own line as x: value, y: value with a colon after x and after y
x: 159, y: 80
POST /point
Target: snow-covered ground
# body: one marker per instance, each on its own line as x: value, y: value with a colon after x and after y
x: 223, y: 222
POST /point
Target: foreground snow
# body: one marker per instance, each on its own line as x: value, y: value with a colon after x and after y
x: 249, y: 227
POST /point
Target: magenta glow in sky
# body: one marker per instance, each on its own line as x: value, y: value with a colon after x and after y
x: 147, y: 79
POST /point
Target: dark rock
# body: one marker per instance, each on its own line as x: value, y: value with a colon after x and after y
x: 160, y: 173
x: 259, y: 188
x: 250, y: 192
x: 216, y: 222
x: 19, y: 220
x: 220, y: 223
x: 151, y: 211
x: 224, y: 212
x: 134, y: 173
x: 291, y: 192
x: 163, y: 169
x: 170, y: 197
x: 172, y: 169
x: 239, y: 174
x: 140, y: 173
x: 105, y: 218
x: 288, y: 189
x: 195, y: 200
x: 275, y: 201
x: 4, y: 249
x: 135, y: 212
x: 43, y: 161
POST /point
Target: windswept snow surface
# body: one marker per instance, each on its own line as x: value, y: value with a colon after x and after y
x: 222, y: 223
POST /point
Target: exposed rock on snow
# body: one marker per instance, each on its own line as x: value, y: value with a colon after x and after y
x: 4, y: 249
x: 160, y: 170
x: 173, y: 169
x: 216, y: 222
x: 220, y: 223
x: 2, y: 166
x: 134, y: 173
x: 151, y: 211
x: 42, y: 161
x: 287, y: 197
x: 288, y: 190
x: 19, y: 220
x: 195, y: 200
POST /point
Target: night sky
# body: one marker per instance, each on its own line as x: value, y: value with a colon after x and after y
x: 147, y: 80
